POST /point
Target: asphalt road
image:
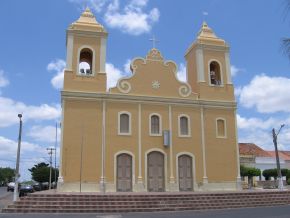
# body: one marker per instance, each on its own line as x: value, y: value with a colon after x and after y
x: 261, y: 212
x: 3, y: 191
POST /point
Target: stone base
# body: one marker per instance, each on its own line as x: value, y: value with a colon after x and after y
x: 219, y: 186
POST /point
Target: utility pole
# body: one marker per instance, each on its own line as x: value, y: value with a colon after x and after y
x: 280, y: 179
x: 15, y: 194
x: 55, y: 146
x: 50, y: 151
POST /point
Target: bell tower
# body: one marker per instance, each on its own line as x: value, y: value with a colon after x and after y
x: 208, y: 66
x: 86, y: 55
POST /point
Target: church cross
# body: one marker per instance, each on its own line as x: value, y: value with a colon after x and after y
x: 154, y: 41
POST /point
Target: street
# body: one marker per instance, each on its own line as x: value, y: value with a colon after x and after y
x: 261, y: 212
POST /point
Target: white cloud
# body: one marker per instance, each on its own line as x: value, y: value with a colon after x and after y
x: 132, y: 19
x: 3, y: 81
x: 255, y: 123
x: 181, y: 73
x: 43, y: 133
x: 58, y: 67
x: 235, y: 70
x: 267, y: 94
x: 10, y: 108
x: 127, y: 67
x: 113, y: 75
x: 96, y: 5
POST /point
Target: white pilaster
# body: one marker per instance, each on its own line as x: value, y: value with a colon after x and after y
x: 202, y: 126
x: 228, y: 68
x: 60, y: 178
x: 102, y: 180
x: 69, y: 52
x: 200, y: 65
x: 103, y: 55
x: 239, y: 183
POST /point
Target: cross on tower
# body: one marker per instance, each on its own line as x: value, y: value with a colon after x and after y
x: 154, y: 41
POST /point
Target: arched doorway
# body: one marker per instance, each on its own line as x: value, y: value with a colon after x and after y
x: 124, y: 173
x: 155, y: 177
x: 185, y: 173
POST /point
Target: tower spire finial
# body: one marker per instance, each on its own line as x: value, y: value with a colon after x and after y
x: 154, y: 41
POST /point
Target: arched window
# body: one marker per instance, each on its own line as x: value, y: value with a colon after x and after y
x: 155, y: 125
x: 184, y: 125
x: 124, y: 124
x: 85, y: 62
x: 220, y: 128
x: 215, y: 73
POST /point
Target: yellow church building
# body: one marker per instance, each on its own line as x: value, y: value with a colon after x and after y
x: 152, y: 132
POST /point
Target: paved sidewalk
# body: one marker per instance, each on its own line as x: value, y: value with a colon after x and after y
x: 5, y: 200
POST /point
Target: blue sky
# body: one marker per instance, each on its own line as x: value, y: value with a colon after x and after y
x: 32, y: 54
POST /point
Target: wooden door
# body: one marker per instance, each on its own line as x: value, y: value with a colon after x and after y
x: 155, y: 177
x: 185, y: 173
x: 124, y: 173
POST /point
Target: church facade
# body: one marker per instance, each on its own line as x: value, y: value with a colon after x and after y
x: 151, y: 132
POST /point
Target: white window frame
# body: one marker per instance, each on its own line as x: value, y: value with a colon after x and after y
x: 160, y: 125
x: 119, y: 115
x: 221, y: 72
x: 78, y: 61
x: 216, y: 127
x: 188, y: 123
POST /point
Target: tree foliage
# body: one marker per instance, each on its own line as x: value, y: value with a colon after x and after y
x: 249, y: 171
x: 6, y: 174
x: 40, y: 173
x: 268, y: 173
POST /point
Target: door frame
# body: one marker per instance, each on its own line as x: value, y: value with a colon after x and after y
x: 194, y: 185
x: 115, y: 167
x: 165, y: 167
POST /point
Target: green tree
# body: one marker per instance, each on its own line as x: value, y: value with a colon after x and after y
x: 40, y: 173
x: 250, y: 172
x: 6, y: 174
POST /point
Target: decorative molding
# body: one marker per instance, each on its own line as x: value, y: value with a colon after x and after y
x: 147, y: 99
x: 199, y: 65
x: 184, y: 90
x: 172, y: 180
x: 154, y: 55
x: 69, y: 52
x: 160, y: 125
x: 103, y: 55
x: 228, y: 68
x: 155, y: 84
x: 129, y: 114
x: 202, y: 126
x: 124, y: 86
x: 139, y: 143
x: 103, y: 180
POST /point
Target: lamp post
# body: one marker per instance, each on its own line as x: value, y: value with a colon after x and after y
x: 15, y: 195
x: 280, y: 179
x: 50, y: 151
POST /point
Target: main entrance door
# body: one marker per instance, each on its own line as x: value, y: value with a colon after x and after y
x: 185, y: 173
x: 124, y: 173
x: 156, y: 181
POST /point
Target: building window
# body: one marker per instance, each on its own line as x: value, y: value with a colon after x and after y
x: 184, y: 125
x: 85, y: 62
x: 215, y: 73
x: 221, y: 128
x: 155, y: 125
x: 124, y: 123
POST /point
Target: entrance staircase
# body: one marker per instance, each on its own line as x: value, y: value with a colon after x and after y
x: 144, y: 202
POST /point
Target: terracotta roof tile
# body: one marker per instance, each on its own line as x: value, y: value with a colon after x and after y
x: 252, y: 149
x: 285, y: 155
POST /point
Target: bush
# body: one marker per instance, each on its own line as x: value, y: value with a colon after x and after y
x: 268, y: 173
x: 249, y: 171
x: 288, y: 181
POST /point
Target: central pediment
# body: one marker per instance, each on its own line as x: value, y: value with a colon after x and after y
x: 153, y: 76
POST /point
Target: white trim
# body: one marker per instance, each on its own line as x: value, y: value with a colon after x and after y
x: 103, y: 55
x: 103, y: 180
x: 93, y: 60
x: 188, y: 125
x: 199, y: 65
x: 202, y: 126
x: 160, y: 124
x: 225, y: 127
x: 139, y: 144
x: 60, y: 176
x: 69, y: 51
x: 228, y: 68
x: 194, y: 184
x: 133, y: 167
x: 170, y: 144
x: 165, y: 167
x: 238, y: 153
x: 221, y: 73
x: 119, y: 114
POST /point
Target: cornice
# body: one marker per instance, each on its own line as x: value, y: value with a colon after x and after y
x: 146, y: 99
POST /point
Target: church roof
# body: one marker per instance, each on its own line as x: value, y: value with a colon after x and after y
x: 206, y: 34
x: 88, y: 22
